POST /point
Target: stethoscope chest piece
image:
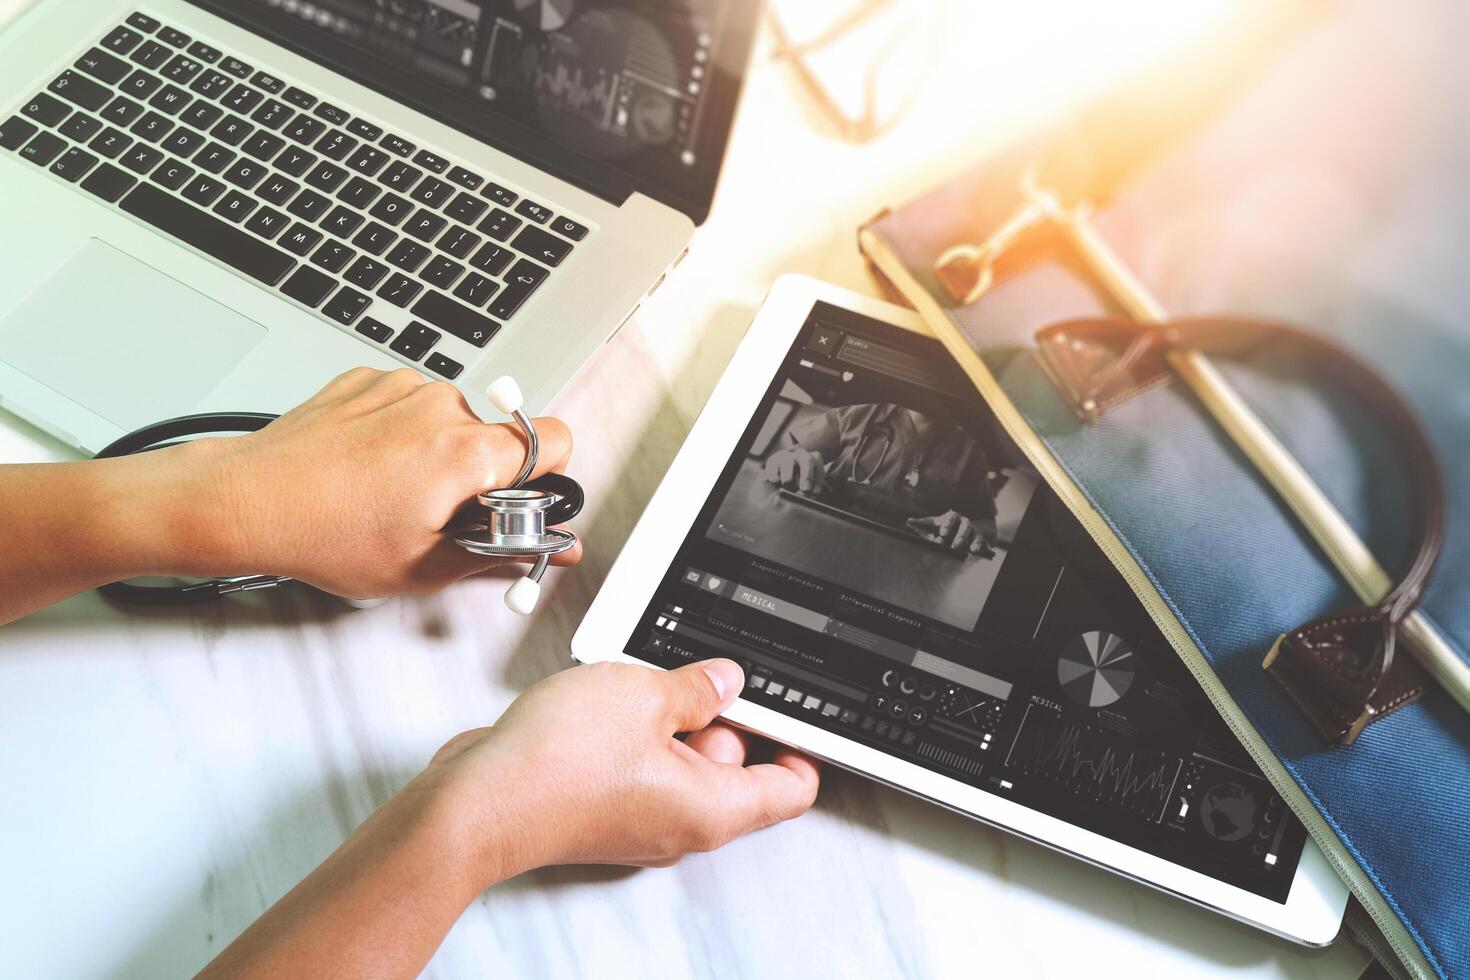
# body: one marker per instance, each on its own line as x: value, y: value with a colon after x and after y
x: 517, y: 526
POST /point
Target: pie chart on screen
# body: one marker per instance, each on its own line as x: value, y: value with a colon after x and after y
x: 1096, y: 668
x: 546, y: 15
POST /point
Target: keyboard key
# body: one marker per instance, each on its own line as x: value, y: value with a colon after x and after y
x: 341, y: 221
x: 298, y: 98
x: 278, y: 190
x: 365, y: 129
x: 236, y: 67
x: 304, y: 129
x: 121, y: 40
x: 391, y: 209
x: 171, y: 99
x: 141, y: 159
x: 396, y: 145
x: 295, y: 161
x: 15, y: 131
x: 232, y: 130
x: 538, y: 213
x: 242, y: 98
x: 181, y: 69
x: 201, y: 115
x: 308, y: 286
x: 43, y: 149
x: 46, y: 110
x: 441, y: 272
x: 214, y: 158
x: 374, y: 239
x: 141, y: 84
x: 110, y: 143
x: 172, y: 175
x: 73, y: 163
x: 331, y: 114
x: 346, y: 306
x: 209, y: 234
x: 183, y: 143
x: 500, y: 195
x: 335, y: 145
x: 542, y: 246
x: 492, y: 258
x: 400, y: 176
x: 443, y: 366
x: 152, y: 54
x: 432, y: 192
x: 366, y: 273
x: 245, y: 174
x: 263, y: 146
x: 300, y: 239
x: 172, y: 37
x: 235, y: 207
x: 374, y: 329
x: 359, y: 193
x: 476, y: 289
x: 332, y: 256
x: 152, y: 127
x: 400, y: 290
x: 273, y: 114
x: 424, y: 225
x: 569, y: 228
x: 121, y: 111
x: 452, y: 317
x: 270, y: 83
x: 520, y: 283
x: 79, y: 128
x: 459, y: 242
x: 267, y: 222
x: 465, y: 178
x: 368, y: 160
x: 408, y: 255
x: 466, y: 209
x: 143, y: 22
x: 212, y: 84
x: 309, y: 205
x: 500, y: 225
x: 204, y: 52
x: 415, y: 340
x: 101, y: 65
x: 326, y: 176
x: 430, y: 161
x: 203, y: 189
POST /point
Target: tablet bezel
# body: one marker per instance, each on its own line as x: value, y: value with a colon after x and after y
x: 1313, y: 911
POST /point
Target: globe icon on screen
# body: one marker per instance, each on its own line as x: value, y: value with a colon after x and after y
x: 1228, y: 811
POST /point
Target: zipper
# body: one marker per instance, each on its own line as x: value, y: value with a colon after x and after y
x: 1394, y: 933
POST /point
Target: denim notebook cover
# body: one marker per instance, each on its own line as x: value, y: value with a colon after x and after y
x: 1333, y: 197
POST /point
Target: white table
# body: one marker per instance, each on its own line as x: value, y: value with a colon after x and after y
x: 168, y: 775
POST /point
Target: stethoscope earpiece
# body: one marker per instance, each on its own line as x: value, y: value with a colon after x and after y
x: 520, y: 518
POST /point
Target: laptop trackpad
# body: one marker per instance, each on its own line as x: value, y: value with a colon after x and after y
x: 124, y: 340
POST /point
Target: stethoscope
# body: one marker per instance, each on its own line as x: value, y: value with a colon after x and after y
x: 519, y: 520
x: 911, y: 478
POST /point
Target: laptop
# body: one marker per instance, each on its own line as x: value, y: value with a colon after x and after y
x: 221, y: 204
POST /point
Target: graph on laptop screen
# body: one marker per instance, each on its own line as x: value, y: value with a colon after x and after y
x: 618, y: 80
x: 886, y: 564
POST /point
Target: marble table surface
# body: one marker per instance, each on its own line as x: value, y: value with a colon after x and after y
x: 168, y: 775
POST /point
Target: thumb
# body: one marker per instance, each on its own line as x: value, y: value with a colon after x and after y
x: 924, y: 525
x: 695, y: 694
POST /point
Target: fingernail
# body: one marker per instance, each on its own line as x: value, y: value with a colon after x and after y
x: 725, y: 675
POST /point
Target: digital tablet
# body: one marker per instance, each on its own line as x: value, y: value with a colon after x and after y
x: 849, y: 522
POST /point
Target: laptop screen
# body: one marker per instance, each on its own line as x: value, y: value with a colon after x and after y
x: 614, y: 95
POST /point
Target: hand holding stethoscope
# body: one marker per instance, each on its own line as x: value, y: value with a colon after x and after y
x: 515, y: 521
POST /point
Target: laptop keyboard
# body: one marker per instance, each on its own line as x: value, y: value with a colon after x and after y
x: 294, y: 192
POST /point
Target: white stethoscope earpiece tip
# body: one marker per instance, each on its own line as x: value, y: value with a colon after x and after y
x: 522, y: 595
x: 505, y: 394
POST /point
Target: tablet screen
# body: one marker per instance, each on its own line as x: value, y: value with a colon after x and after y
x: 886, y: 565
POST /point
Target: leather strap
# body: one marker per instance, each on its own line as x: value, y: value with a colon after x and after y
x: 1339, y: 669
